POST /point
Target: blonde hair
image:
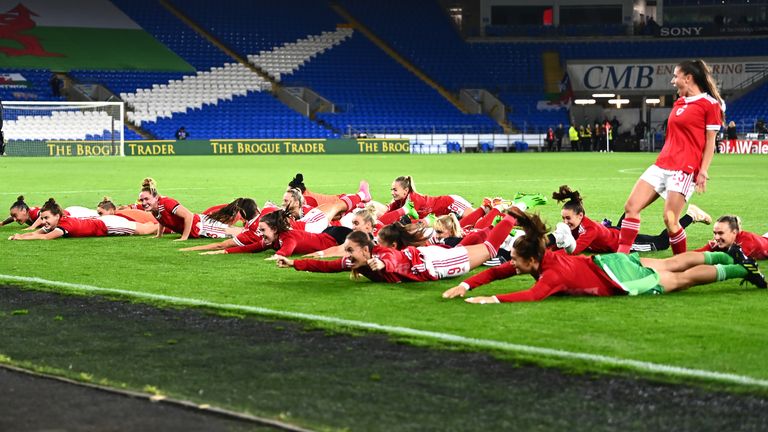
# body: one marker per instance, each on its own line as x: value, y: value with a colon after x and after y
x: 368, y: 214
x: 451, y: 224
x: 149, y: 185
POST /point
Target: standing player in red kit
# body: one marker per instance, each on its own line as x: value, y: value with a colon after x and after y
x: 55, y: 224
x: 683, y: 163
x: 169, y: 213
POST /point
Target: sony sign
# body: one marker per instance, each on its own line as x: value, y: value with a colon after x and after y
x: 681, y: 31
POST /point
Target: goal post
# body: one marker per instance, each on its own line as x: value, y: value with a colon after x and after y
x: 63, y: 128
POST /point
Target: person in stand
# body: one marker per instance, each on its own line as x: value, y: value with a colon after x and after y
x: 182, y: 134
x: 604, y: 275
x: 56, y: 224
x: 559, y: 134
x: 731, y: 131
x: 550, y: 139
x: 727, y: 232
x: 573, y: 136
x: 598, y: 141
x: 2, y: 137
x: 586, y: 138
x: 683, y: 164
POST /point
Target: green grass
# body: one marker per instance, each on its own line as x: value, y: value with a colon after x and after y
x: 719, y: 327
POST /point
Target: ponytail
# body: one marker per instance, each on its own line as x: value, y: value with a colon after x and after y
x: 20, y: 204
x: 403, y: 235
x: 533, y: 243
x: 733, y: 221
x: 702, y: 76
x: 107, y: 204
x: 406, y: 182
x: 149, y: 185
x: 573, y: 199
x: 52, y: 206
x: 245, y: 207
x: 278, y: 220
x: 368, y: 213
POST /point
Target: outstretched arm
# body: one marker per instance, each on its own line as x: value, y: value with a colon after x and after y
x: 38, y: 235
x: 189, y: 218
x: 503, y: 271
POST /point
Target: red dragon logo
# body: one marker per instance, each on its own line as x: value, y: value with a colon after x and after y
x: 12, y: 24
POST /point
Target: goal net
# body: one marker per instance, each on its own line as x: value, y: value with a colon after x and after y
x: 63, y: 128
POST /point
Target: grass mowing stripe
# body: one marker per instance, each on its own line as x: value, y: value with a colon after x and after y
x: 655, y: 368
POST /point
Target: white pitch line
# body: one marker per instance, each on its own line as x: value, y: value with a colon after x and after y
x: 656, y: 368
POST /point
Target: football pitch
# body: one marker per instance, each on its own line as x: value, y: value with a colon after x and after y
x: 714, y: 334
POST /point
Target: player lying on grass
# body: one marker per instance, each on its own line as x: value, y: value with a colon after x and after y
x: 24, y: 214
x: 595, y: 237
x: 107, y: 207
x: 277, y: 233
x: 241, y: 208
x: 300, y: 216
x: 170, y: 214
x: 362, y: 220
x: 315, y: 199
x: 606, y: 275
x: 728, y: 232
x: 56, y: 224
x: 406, y: 200
x: 380, y: 263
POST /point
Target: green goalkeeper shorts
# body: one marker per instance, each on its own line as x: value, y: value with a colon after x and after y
x: 629, y: 274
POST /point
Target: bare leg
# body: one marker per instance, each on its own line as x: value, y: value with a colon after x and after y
x: 478, y: 254
x: 678, y: 281
x: 322, y: 198
x: 642, y: 196
x: 673, y: 206
x: 677, y: 263
x: 146, y: 228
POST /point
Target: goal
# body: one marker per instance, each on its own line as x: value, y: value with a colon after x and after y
x: 63, y: 128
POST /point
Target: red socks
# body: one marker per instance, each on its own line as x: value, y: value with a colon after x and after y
x: 629, y: 229
x: 678, y: 242
x: 498, y: 234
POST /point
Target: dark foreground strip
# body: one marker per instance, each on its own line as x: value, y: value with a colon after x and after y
x: 304, y: 376
x: 28, y: 378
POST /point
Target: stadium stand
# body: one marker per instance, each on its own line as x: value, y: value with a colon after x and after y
x: 306, y: 43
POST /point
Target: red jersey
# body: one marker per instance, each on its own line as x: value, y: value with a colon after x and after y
x: 34, y: 213
x: 75, y: 227
x: 166, y: 215
x: 399, y: 266
x: 566, y: 274
x: 688, y: 122
x: 753, y: 245
x: 595, y: 237
x: 425, y: 204
x: 290, y: 243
